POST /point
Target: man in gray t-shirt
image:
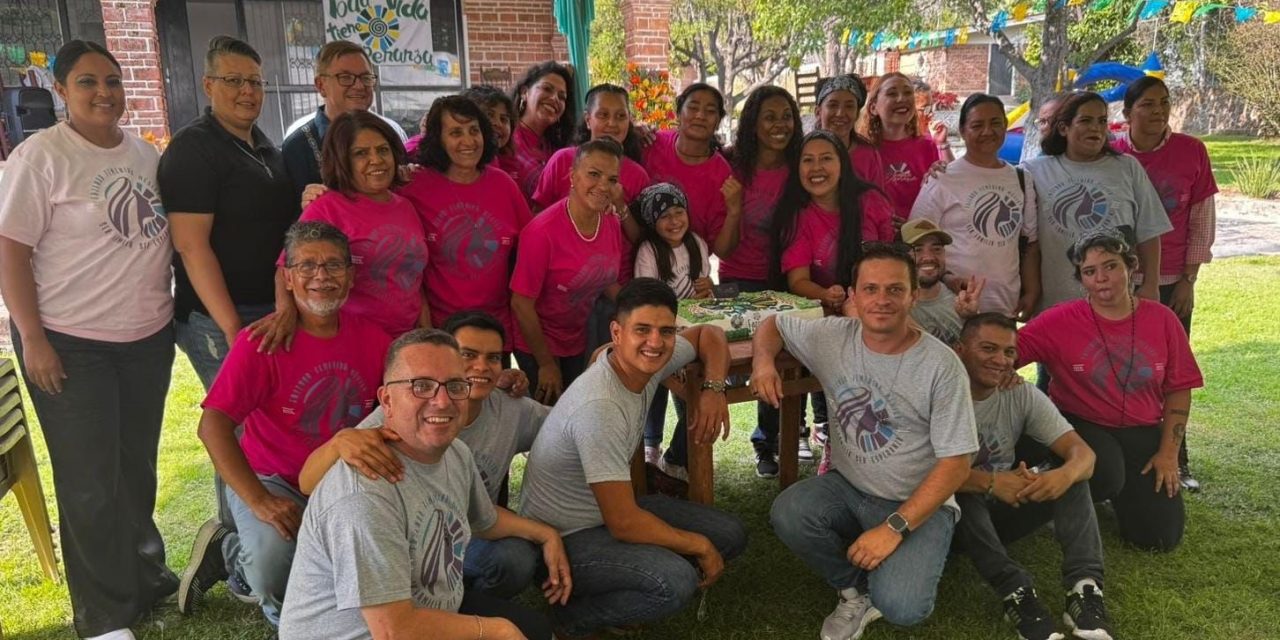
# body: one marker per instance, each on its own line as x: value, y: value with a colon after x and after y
x: 879, y: 528
x: 632, y: 553
x: 1003, y: 501
x: 375, y: 554
x: 938, y: 311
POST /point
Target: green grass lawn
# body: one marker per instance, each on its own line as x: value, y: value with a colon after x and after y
x: 1225, y: 151
x: 1223, y: 583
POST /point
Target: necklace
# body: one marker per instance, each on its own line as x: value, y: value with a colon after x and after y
x: 689, y: 155
x: 1133, y: 341
x: 595, y: 232
x: 254, y: 156
x: 862, y: 347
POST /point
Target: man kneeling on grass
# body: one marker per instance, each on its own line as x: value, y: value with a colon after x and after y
x: 1001, y: 503
x: 290, y: 402
x: 381, y: 560
x: 495, y: 426
x: 630, y: 557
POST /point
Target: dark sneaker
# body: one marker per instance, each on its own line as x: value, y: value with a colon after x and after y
x: 805, y: 453
x: 664, y: 483
x: 820, y: 433
x: 1030, y: 616
x: 1086, y: 614
x: 1189, y: 482
x: 766, y: 464
x: 205, y: 568
x: 240, y: 590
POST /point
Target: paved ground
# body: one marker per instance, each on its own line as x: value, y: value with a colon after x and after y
x: 1245, y: 227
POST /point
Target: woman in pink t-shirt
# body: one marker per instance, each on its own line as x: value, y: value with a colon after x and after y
x: 1179, y: 168
x: 388, y: 246
x: 546, y: 111
x: 471, y: 212
x: 840, y: 101
x: 1122, y: 374
x: 500, y: 110
x: 569, y: 255
x: 890, y: 124
x: 689, y: 158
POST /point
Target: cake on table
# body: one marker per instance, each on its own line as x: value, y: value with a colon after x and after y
x: 740, y: 315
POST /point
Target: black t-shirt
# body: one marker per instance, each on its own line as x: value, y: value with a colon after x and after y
x: 247, y: 189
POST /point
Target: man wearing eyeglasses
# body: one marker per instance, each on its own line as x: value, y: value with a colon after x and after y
x: 290, y: 403
x: 346, y: 82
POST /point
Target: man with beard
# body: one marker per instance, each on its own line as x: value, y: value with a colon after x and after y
x: 383, y: 560
x: 878, y: 530
x: 1003, y: 501
x: 938, y: 310
x: 346, y: 82
x: 290, y: 402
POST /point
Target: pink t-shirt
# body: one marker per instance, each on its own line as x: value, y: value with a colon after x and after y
x: 1086, y: 353
x: 388, y: 253
x: 701, y: 183
x: 750, y: 260
x: 291, y: 402
x: 554, y: 182
x: 817, y: 232
x: 867, y: 164
x: 532, y: 154
x: 471, y: 230
x: 905, y: 164
x: 99, y: 232
x: 1180, y: 172
x: 564, y: 274
x: 509, y: 165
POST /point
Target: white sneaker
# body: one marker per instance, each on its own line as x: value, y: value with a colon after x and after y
x: 674, y: 470
x: 118, y: 634
x: 652, y: 455
x: 852, y: 615
x: 805, y: 453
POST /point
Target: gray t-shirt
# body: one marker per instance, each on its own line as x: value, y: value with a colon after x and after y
x: 938, y: 316
x: 506, y: 426
x: 1005, y: 415
x: 367, y: 542
x: 590, y: 436
x: 896, y: 414
x: 1074, y: 199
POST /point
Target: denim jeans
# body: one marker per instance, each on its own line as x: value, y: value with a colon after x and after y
x: 987, y: 526
x: 1166, y: 296
x: 103, y: 435
x: 820, y: 517
x: 532, y: 624
x: 257, y: 552
x: 656, y: 422
x: 598, y: 333
x: 570, y: 368
x: 617, y: 583
x: 502, y: 568
x: 205, y: 344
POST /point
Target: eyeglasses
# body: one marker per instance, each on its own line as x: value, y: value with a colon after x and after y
x: 309, y: 269
x: 427, y: 388
x: 235, y: 82
x: 348, y: 79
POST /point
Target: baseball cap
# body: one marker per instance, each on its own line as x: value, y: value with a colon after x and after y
x: 916, y: 230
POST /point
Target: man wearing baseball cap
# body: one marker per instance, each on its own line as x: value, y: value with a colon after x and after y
x: 938, y: 310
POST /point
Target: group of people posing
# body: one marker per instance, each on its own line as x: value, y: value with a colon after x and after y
x: 352, y: 302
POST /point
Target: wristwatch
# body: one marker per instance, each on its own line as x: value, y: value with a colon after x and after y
x: 899, y: 524
x: 1190, y: 277
x: 717, y: 386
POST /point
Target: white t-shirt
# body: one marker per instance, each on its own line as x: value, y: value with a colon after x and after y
x: 100, y: 235
x: 985, y: 211
x: 647, y: 266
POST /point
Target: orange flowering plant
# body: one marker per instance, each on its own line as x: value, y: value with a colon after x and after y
x: 652, y: 100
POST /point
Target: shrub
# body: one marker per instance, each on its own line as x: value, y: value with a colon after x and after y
x: 1257, y: 177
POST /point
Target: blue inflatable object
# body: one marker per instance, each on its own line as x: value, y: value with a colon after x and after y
x: 1011, y: 152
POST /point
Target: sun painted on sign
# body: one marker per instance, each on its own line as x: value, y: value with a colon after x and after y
x: 379, y: 27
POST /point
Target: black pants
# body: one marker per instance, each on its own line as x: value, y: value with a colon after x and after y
x: 1148, y: 519
x: 570, y: 368
x: 532, y: 624
x: 103, y: 434
x: 1166, y: 295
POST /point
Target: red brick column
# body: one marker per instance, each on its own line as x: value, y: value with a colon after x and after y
x: 510, y: 34
x: 648, y: 26
x: 130, y: 27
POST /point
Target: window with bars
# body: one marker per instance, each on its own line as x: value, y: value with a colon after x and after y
x: 32, y: 31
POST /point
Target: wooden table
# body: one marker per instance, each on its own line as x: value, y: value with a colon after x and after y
x: 796, y: 382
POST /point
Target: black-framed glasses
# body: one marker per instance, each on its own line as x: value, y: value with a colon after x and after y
x: 308, y: 269
x: 235, y: 82
x: 348, y: 79
x: 427, y: 388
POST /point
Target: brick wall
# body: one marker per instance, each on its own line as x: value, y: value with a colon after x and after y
x: 130, y: 29
x: 961, y: 69
x: 648, y: 32
x: 510, y: 35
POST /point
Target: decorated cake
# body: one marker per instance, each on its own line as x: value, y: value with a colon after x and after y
x: 740, y: 315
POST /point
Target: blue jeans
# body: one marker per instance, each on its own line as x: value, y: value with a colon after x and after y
x: 257, y: 552
x: 205, y: 344
x: 501, y: 568
x: 820, y: 517
x: 617, y: 583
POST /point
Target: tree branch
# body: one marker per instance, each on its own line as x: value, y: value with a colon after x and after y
x: 1110, y: 44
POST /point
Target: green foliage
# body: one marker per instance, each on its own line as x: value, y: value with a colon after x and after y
x: 812, y: 23
x: 1246, y: 65
x: 607, y: 51
x: 1227, y: 151
x: 1092, y: 30
x: 1257, y: 177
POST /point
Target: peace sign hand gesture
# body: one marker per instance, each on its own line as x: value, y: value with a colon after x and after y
x: 967, y: 298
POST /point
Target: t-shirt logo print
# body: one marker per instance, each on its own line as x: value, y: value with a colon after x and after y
x: 989, y: 453
x: 389, y: 256
x: 470, y: 241
x: 868, y: 417
x: 133, y: 206
x: 995, y: 215
x: 1079, y: 207
x: 598, y: 272
x: 898, y: 172
x: 440, y: 567
x: 332, y: 399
